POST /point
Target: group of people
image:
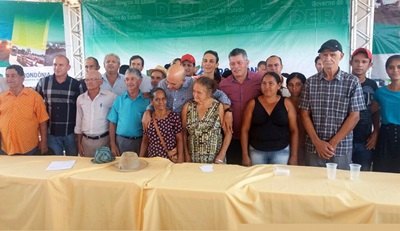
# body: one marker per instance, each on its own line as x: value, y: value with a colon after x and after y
x: 246, y: 118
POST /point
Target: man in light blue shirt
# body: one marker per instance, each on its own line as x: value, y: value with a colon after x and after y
x: 179, y: 89
x: 112, y: 80
x: 126, y: 114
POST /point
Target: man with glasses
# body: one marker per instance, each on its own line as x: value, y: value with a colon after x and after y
x: 92, y: 108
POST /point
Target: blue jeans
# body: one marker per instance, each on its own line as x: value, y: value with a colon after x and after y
x: 57, y: 144
x: 363, y: 156
x: 269, y: 157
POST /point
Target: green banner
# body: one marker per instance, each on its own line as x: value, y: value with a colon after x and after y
x: 161, y: 30
x: 31, y: 34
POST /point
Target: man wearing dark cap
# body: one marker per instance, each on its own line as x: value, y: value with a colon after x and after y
x: 365, y: 138
x: 330, y: 108
x: 189, y: 64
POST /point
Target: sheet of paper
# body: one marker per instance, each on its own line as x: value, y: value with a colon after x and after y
x: 60, y: 165
x: 207, y: 168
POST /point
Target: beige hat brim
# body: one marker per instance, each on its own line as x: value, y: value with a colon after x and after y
x: 142, y: 165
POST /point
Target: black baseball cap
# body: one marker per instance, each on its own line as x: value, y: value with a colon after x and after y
x: 332, y: 45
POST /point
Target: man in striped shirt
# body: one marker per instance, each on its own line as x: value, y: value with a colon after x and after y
x: 60, y: 93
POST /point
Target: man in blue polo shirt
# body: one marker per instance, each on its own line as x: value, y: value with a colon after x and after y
x: 126, y: 115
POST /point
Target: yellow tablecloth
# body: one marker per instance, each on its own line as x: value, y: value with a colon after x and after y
x: 88, y: 196
x: 180, y: 196
x: 186, y: 198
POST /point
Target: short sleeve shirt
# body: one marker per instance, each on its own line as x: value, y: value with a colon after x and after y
x: 127, y: 114
x: 330, y: 102
x: 169, y: 128
x: 20, y: 117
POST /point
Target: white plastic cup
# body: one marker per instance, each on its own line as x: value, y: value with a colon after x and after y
x: 355, y: 171
x: 331, y: 170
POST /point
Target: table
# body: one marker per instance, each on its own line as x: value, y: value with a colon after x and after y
x: 88, y: 196
x: 234, y: 195
x: 180, y: 196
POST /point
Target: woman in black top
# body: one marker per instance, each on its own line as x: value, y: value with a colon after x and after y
x: 269, y: 132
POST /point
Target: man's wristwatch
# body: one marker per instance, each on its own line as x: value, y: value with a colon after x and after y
x: 228, y: 109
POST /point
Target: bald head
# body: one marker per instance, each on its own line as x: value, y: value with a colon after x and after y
x: 175, y: 77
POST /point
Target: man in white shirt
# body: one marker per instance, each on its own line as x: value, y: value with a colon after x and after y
x: 91, y: 115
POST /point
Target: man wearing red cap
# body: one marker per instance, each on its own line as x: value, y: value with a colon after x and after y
x: 189, y: 64
x: 364, y: 139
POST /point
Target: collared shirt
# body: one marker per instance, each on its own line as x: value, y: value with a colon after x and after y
x: 329, y: 103
x: 60, y: 101
x: 240, y: 94
x: 119, y: 86
x: 177, y: 98
x: 91, y: 115
x: 20, y: 117
x: 284, y: 90
x: 127, y: 114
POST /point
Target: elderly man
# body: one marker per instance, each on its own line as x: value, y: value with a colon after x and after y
x: 23, y: 117
x: 330, y: 108
x: 112, y: 79
x: 60, y: 92
x: 125, y: 116
x: 241, y: 86
x: 91, y: 115
x: 274, y: 64
x: 179, y: 89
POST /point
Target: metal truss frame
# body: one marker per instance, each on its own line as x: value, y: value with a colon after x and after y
x: 74, y: 36
x: 362, y: 24
x: 361, y: 30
